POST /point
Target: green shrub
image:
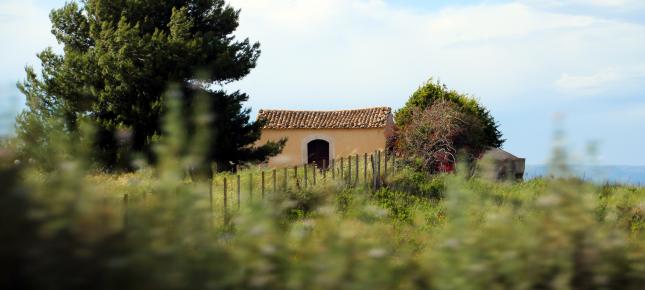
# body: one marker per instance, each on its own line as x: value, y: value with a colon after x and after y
x: 418, y: 183
x: 433, y: 91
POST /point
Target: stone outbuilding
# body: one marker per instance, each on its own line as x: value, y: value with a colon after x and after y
x: 319, y: 136
x: 497, y: 164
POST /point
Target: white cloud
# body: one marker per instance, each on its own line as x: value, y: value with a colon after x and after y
x: 25, y: 31
x: 292, y: 15
x: 490, y: 22
x: 622, y: 4
x: 601, y: 81
x: 379, y: 54
x: 609, y: 3
x: 588, y: 83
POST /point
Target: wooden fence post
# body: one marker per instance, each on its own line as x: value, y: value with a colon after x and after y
x: 342, y: 167
x: 378, y: 176
x: 225, y: 193
x: 324, y: 170
x: 333, y: 168
x: 385, y: 155
x: 349, y: 169
x: 356, y: 176
x: 210, y: 193
x: 262, y: 185
x: 225, y: 201
x: 286, y: 179
x: 251, y: 187
x: 305, y: 169
x: 373, y: 183
x: 274, y: 182
x: 315, y: 168
x: 125, y: 210
x: 365, y: 168
x: 295, y: 176
x: 238, y: 192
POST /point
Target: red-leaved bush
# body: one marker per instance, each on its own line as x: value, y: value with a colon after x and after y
x: 437, y: 134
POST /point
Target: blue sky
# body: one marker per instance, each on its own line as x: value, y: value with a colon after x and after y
x: 526, y: 60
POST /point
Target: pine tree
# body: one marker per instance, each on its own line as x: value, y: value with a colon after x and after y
x: 120, y: 56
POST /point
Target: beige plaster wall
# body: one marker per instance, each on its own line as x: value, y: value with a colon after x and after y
x: 342, y: 143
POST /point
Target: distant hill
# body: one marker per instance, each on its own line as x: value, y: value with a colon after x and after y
x: 634, y: 175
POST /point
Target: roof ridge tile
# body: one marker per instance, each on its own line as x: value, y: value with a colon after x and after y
x: 374, y: 117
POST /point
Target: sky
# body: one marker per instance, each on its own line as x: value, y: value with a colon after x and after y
x: 537, y: 65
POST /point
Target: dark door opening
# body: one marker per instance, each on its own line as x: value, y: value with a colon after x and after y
x: 318, y: 152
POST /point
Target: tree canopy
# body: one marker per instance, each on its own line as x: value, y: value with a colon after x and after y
x: 119, y: 56
x: 433, y: 91
x: 437, y: 134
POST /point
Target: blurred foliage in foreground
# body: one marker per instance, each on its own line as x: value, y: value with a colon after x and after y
x: 68, y: 229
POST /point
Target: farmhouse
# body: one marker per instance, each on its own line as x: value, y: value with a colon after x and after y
x: 318, y: 136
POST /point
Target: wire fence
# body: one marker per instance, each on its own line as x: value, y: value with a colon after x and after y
x: 230, y: 190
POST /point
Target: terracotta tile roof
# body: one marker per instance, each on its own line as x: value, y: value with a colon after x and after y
x: 359, y: 118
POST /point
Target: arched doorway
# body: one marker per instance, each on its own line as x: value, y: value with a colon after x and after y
x: 318, y: 152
